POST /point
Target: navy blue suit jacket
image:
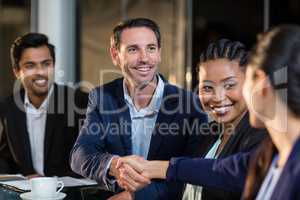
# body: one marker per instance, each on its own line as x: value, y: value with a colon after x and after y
x: 107, y: 132
x: 230, y: 173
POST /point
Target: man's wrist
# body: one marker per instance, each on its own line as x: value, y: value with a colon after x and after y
x: 112, y: 169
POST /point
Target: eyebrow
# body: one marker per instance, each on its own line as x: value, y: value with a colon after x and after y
x: 223, y: 80
x: 152, y: 44
x: 207, y: 81
x: 43, y: 61
x: 228, y: 78
x: 137, y: 46
x: 132, y: 46
x: 47, y: 60
x: 28, y: 62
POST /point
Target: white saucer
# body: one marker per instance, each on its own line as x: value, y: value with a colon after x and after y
x: 28, y: 196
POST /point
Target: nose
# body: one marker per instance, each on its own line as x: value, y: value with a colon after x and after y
x: 143, y: 57
x: 219, y: 95
x: 41, y: 69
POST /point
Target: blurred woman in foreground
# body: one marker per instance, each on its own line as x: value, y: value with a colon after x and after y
x: 272, y: 94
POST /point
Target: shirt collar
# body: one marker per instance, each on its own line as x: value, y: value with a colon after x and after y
x: 44, y: 105
x: 155, y: 102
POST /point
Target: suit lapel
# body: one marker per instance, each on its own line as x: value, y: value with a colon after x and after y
x: 167, y: 112
x: 53, y: 119
x: 51, y: 122
x: 242, y: 128
x: 123, y: 118
x: 19, y: 135
x: 165, y: 116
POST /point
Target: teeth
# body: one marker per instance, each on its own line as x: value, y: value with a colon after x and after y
x: 40, y: 81
x: 143, y: 69
x: 221, y: 110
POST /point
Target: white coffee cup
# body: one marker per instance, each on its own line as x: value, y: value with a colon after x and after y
x: 45, y: 187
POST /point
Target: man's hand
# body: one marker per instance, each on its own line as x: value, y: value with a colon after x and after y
x: 113, y: 171
x: 131, y: 180
x: 122, y: 196
x: 148, y: 169
x: 129, y: 177
x: 136, y: 162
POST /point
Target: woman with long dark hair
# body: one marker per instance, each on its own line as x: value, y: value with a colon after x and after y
x: 272, y: 94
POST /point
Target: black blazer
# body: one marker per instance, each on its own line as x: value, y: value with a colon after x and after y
x: 61, y: 131
x: 245, y: 139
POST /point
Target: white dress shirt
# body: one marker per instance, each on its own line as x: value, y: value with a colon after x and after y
x: 143, y: 120
x: 142, y: 125
x: 36, y: 124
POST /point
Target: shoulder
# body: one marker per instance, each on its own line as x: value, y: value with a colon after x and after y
x: 69, y: 90
x: 107, y: 95
x: 109, y: 87
x: 12, y: 101
x: 113, y: 89
x: 244, y: 138
x: 174, y: 91
x: 244, y: 127
x: 2, y: 108
x: 69, y: 93
x: 254, y: 137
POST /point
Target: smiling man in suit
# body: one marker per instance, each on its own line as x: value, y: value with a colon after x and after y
x: 139, y: 114
x: 40, y: 120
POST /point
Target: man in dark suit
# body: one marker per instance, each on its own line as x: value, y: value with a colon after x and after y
x: 39, y: 122
x: 139, y: 114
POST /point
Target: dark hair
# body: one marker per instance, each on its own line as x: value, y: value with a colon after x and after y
x: 224, y: 48
x: 29, y: 40
x: 277, y: 53
x: 134, y: 23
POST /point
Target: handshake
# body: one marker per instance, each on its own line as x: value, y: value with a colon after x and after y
x: 134, y: 172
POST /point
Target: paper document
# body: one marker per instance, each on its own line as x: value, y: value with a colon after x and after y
x: 11, y: 177
x: 72, y: 182
x: 68, y: 182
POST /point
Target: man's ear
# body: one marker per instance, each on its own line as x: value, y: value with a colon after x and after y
x: 114, y: 55
x: 159, y: 51
x: 16, y: 71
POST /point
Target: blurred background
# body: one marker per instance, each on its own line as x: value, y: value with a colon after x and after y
x: 80, y: 30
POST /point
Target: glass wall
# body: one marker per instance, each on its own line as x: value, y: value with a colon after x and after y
x: 14, y: 21
x: 185, y: 31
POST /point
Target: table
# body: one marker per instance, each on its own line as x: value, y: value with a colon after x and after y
x: 73, y: 193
